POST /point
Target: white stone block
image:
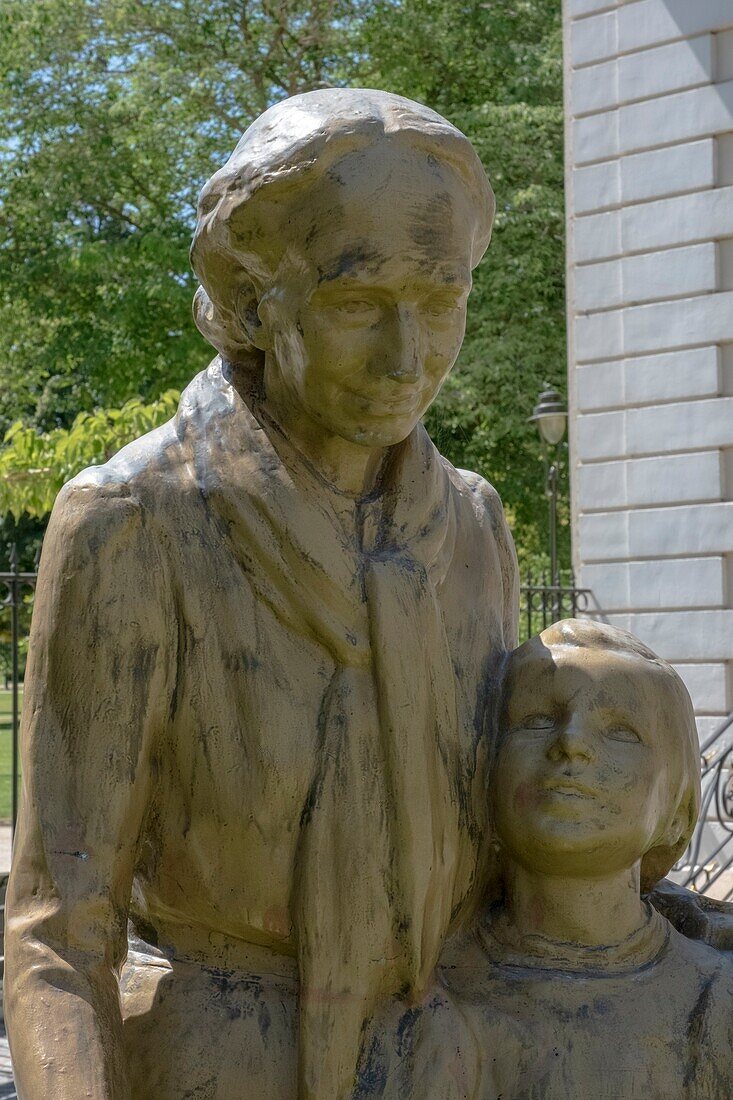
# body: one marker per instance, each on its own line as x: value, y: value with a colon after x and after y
x: 677, y: 272
x: 674, y: 118
x: 670, y: 376
x: 724, y: 56
x: 656, y: 585
x: 666, y: 69
x: 577, y: 8
x: 674, y: 273
x: 684, y: 219
x: 707, y: 685
x: 600, y: 335
x: 657, y: 532
x: 596, y: 187
x: 687, y: 529
x: 593, y: 39
x: 650, y: 226
x: 680, y: 426
x: 681, y: 323
x: 597, y: 236
x: 599, y: 386
x: 676, y: 169
x: 596, y: 137
x: 653, y: 22
x: 668, y: 479
x: 604, y: 536
x: 683, y: 635
x: 600, y: 435
x: 599, y: 286
x: 724, y: 159
x: 595, y: 88
x: 660, y: 326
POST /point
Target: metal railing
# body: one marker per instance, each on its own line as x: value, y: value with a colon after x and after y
x: 702, y: 868
x: 543, y: 603
x: 15, y: 588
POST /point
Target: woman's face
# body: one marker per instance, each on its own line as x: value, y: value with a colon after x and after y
x: 367, y: 314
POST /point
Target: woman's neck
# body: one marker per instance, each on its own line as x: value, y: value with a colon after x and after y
x: 588, y: 912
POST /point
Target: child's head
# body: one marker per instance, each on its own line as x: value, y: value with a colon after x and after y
x: 596, y: 766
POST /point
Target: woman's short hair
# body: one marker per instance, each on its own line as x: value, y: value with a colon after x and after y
x: 679, y: 719
x: 291, y: 146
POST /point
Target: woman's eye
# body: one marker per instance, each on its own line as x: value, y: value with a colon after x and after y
x: 538, y: 722
x: 438, y: 307
x: 622, y: 733
x: 356, y: 305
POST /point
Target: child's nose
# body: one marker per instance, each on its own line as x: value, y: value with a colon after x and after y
x: 573, y: 742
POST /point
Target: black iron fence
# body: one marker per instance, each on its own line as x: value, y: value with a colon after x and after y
x: 543, y: 603
x: 708, y: 862
x: 16, y: 597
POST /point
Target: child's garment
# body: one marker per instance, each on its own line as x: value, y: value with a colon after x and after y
x: 650, y: 1020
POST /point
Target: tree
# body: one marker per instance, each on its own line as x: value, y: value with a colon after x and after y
x: 34, y: 465
x: 113, y: 113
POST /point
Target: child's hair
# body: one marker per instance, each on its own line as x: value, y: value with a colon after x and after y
x: 677, y: 715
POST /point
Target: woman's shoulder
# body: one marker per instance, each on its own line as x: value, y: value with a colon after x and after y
x: 141, y: 483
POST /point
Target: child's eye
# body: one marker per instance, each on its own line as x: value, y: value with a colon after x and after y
x: 622, y: 733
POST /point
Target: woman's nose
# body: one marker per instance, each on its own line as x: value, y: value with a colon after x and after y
x: 573, y: 742
x: 406, y: 361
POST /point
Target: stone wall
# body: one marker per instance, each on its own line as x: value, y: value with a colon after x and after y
x: 649, y: 97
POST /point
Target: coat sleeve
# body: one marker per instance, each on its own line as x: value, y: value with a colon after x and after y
x: 97, y: 693
x: 488, y: 503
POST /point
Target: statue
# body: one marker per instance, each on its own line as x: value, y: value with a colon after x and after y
x: 569, y: 984
x: 263, y: 641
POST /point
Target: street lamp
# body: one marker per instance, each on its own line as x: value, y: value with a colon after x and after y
x: 551, y: 416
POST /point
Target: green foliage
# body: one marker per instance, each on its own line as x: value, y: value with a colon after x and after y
x: 459, y: 54
x: 114, y: 112
x: 34, y: 465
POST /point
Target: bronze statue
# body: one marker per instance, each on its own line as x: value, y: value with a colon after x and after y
x: 262, y: 643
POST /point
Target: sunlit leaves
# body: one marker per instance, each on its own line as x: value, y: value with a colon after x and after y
x: 34, y: 465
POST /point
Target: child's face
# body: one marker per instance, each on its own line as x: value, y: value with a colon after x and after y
x: 580, y: 780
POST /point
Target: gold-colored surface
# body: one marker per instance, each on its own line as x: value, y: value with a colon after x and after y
x: 570, y: 984
x: 265, y: 662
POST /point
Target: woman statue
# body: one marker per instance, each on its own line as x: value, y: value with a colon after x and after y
x: 263, y: 640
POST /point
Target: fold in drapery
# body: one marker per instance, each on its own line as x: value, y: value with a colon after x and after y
x: 380, y: 839
x: 381, y: 829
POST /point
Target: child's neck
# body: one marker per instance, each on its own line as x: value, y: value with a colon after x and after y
x: 589, y: 912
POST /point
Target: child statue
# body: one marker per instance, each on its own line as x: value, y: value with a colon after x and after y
x: 570, y: 985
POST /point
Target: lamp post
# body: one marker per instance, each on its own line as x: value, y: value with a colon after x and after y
x: 551, y: 416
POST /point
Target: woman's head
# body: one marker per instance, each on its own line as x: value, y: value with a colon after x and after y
x: 336, y: 245
x: 596, y: 766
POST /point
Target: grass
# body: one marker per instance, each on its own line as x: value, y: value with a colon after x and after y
x: 6, y: 755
